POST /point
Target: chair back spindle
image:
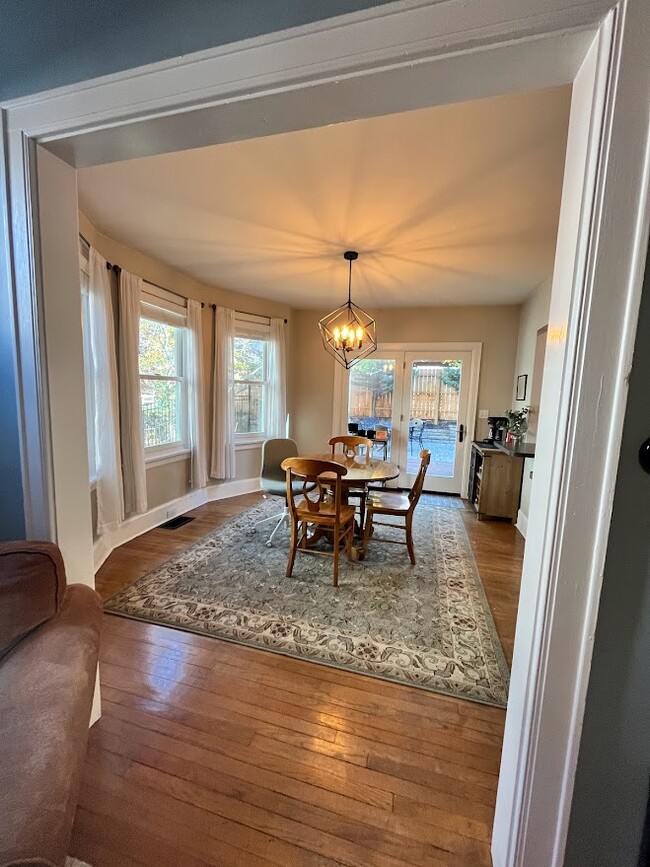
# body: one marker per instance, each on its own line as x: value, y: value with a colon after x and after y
x: 313, y: 490
x: 351, y: 445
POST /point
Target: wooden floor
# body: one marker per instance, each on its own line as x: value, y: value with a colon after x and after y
x: 209, y: 753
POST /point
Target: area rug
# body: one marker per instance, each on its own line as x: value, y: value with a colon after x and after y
x: 428, y: 625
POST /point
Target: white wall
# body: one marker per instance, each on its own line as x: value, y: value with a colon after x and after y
x: 533, y: 317
x: 611, y: 784
x: 57, y: 197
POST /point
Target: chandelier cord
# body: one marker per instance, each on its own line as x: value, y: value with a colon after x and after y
x: 350, y: 284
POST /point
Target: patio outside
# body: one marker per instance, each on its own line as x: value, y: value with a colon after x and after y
x: 433, y: 410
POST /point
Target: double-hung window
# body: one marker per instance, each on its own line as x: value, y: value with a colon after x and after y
x: 251, y: 364
x: 163, y: 386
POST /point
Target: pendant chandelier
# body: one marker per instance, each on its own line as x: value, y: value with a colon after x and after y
x: 349, y: 333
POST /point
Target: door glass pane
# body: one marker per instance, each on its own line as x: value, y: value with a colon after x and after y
x: 433, y: 415
x: 370, y: 405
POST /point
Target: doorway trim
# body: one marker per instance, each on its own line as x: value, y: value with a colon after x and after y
x: 461, y: 49
x: 342, y: 384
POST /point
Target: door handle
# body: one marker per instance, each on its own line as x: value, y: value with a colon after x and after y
x: 461, y: 433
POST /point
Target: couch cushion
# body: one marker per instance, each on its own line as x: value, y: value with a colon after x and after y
x: 32, y: 587
x: 46, y: 690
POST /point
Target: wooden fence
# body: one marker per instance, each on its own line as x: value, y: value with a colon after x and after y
x: 432, y: 400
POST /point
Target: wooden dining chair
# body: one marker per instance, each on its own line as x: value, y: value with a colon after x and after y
x: 319, y: 504
x: 351, y: 446
x: 396, y: 504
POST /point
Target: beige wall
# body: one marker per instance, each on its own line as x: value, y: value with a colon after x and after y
x: 534, y: 315
x: 313, y: 392
x: 171, y: 480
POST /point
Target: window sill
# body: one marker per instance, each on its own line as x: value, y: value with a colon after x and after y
x: 161, y: 458
x: 249, y: 442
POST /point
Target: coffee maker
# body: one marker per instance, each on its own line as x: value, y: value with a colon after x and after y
x: 497, y: 425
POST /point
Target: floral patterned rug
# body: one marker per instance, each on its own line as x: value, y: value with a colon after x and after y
x: 427, y: 625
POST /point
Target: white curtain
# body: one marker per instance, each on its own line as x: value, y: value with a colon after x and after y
x: 133, y: 466
x: 277, y: 402
x: 222, y: 465
x: 110, y: 500
x: 193, y: 371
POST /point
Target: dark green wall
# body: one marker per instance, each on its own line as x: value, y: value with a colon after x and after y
x: 47, y: 43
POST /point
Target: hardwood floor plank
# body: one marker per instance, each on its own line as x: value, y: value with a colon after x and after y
x: 342, y: 687
x: 228, y: 757
x: 183, y: 834
x: 331, y: 842
x: 211, y: 753
x: 238, y: 693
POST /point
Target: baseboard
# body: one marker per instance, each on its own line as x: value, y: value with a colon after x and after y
x: 139, y: 524
x: 522, y: 523
x: 235, y: 488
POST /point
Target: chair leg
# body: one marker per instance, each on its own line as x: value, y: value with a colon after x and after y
x: 294, y: 545
x: 362, y: 512
x: 367, y: 531
x: 336, y: 556
x: 409, y: 538
x: 350, y: 540
x: 282, y: 519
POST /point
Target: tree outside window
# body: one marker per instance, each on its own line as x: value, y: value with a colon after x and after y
x: 161, y: 383
x: 250, y: 386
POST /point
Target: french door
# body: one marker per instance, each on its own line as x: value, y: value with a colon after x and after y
x: 415, y: 400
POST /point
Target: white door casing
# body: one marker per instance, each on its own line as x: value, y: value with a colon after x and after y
x: 405, y: 55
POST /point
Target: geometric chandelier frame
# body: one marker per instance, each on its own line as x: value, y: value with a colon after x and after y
x: 349, y: 333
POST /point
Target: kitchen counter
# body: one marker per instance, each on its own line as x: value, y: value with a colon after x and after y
x: 523, y: 450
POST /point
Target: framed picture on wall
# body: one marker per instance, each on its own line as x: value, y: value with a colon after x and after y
x: 522, y: 386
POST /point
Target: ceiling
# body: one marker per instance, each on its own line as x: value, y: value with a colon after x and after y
x: 456, y: 204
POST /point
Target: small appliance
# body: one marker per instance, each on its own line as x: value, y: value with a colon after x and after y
x: 497, y: 425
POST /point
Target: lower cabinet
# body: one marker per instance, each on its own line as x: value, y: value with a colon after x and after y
x: 495, y: 482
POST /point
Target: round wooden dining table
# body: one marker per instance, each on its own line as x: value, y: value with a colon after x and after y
x: 361, y: 469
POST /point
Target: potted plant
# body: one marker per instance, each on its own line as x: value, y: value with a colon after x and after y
x: 517, y: 425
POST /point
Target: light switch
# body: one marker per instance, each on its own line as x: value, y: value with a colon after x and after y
x: 483, y: 413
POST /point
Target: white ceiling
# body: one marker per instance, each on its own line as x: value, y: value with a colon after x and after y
x: 455, y: 204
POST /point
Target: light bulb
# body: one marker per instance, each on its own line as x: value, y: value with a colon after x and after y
x: 337, y: 337
x: 359, y: 335
x: 344, y: 332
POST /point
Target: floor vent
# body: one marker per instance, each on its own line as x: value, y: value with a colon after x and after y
x: 175, y: 523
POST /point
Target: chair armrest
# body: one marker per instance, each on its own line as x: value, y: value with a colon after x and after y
x: 32, y: 588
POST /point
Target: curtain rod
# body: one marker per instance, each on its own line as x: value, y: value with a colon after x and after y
x: 246, y: 313
x: 116, y: 269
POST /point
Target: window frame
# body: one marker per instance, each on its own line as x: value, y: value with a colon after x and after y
x: 165, y: 452
x: 254, y: 328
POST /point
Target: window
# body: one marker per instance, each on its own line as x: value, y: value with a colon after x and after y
x: 251, y: 380
x: 162, y: 384
x: 89, y: 375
